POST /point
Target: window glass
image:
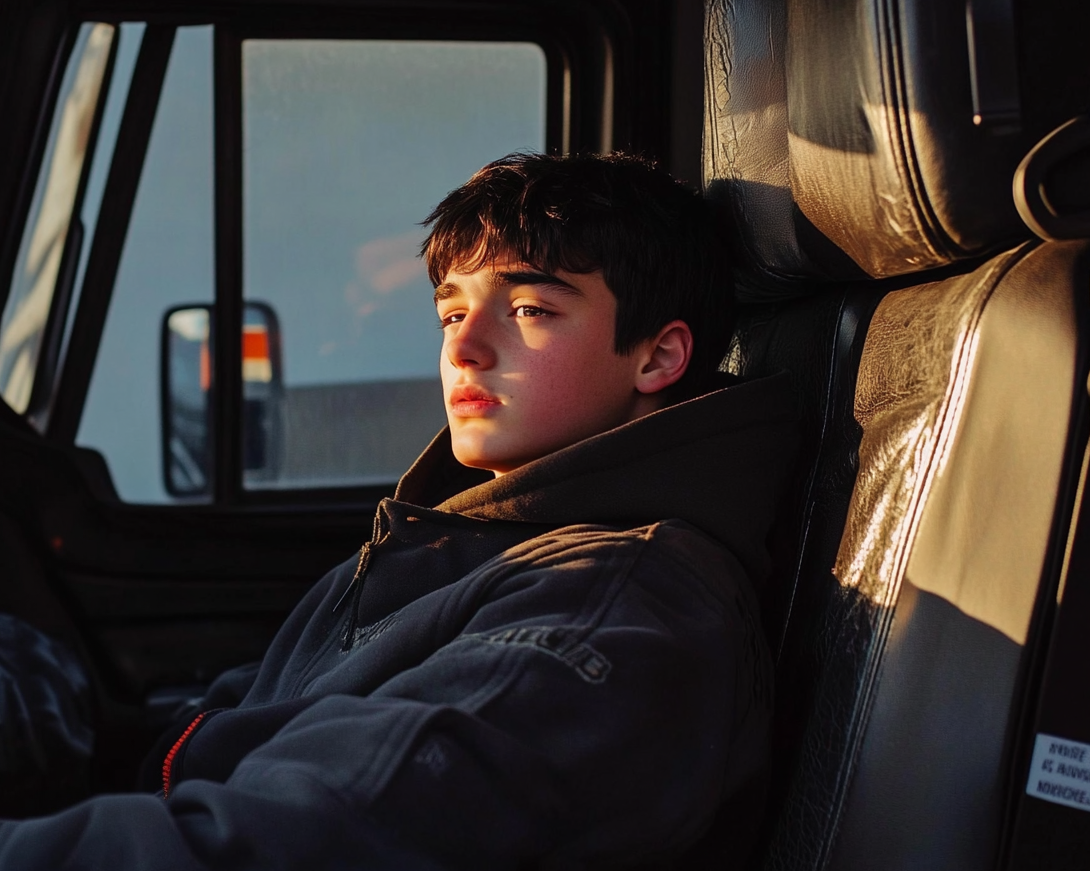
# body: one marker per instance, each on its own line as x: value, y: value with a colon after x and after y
x: 348, y: 145
x: 167, y: 261
x: 40, y: 253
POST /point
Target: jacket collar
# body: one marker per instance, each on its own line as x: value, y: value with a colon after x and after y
x: 716, y: 462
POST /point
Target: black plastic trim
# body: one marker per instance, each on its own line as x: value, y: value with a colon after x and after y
x: 226, y: 407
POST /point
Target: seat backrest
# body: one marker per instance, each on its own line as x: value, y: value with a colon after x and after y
x: 940, y: 357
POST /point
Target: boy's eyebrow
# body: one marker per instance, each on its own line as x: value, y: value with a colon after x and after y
x: 446, y: 290
x: 449, y: 290
x: 533, y: 277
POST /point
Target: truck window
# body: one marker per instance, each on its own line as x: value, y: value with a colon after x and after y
x: 346, y: 146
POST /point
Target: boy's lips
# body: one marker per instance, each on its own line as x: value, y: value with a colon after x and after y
x: 469, y: 400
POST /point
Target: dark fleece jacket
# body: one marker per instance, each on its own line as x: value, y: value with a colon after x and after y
x: 489, y: 685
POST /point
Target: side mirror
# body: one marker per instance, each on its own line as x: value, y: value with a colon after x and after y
x: 186, y: 388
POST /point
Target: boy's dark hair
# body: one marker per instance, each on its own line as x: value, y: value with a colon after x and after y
x: 657, y: 242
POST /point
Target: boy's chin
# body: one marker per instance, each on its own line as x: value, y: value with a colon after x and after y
x: 485, y: 465
x: 495, y: 462
x: 471, y: 456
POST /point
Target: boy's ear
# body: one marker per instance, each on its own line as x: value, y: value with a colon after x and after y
x: 666, y: 357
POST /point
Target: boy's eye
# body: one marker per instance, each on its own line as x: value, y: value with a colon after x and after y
x: 529, y: 311
x: 446, y: 321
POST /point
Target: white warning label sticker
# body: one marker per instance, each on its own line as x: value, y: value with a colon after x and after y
x: 1060, y: 772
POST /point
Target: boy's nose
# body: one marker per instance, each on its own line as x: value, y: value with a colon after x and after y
x: 471, y: 343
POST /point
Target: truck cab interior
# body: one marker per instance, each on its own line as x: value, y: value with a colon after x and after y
x: 909, y: 189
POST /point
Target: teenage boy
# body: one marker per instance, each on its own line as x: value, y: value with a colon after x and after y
x: 547, y: 653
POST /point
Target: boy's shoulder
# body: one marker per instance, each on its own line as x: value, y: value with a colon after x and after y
x: 668, y: 558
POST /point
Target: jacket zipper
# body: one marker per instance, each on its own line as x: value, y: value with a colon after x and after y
x: 355, y: 586
x: 168, y: 762
x: 361, y: 567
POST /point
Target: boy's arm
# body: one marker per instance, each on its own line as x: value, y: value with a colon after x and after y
x: 616, y: 737
x: 226, y: 691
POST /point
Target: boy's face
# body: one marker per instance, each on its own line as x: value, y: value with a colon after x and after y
x: 528, y: 364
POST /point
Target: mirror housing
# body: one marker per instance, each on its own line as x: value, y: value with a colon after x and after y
x: 186, y: 397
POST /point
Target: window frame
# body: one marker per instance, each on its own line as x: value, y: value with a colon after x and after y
x: 579, y: 80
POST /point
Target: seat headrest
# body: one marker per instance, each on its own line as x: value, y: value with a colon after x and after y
x: 873, y: 138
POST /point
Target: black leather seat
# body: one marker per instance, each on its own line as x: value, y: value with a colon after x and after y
x: 939, y: 350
